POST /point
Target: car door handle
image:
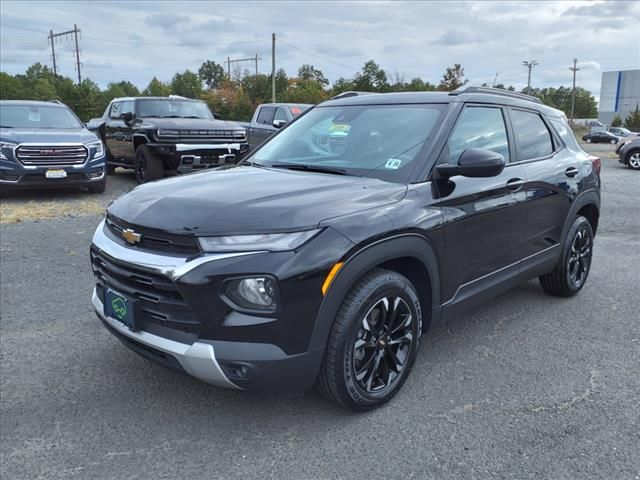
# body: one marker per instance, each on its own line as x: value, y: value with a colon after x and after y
x: 571, y: 172
x: 515, y: 184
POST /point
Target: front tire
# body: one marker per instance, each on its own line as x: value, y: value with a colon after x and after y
x: 588, y: 140
x: 99, y: 187
x: 148, y: 167
x: 571, y: 272
x: 613, y: 142
x: 373, y: 342
x: 633, y: 161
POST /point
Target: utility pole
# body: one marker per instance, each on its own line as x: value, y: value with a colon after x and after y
x: 256, y: 64
x: 52, y: 36
x: 229, y: 67
x: 495, y: 80
x: 529, y: 65
x: 574, y: 69
x: 76, y: 31
x: 273, y: 68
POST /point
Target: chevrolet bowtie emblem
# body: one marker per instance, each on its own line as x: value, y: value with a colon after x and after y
x: 130, y: 236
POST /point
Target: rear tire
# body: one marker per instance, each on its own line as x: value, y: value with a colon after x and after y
x: 148, y: 167
x: 571, y: 272
x: 373, y: 342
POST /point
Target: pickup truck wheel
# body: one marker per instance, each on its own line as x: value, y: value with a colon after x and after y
x: 572, y: 269
x: 373, y: 342
x: 148, y: 167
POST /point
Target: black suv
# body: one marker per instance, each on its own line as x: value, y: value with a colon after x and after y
x: 325, y: 255
x: 160, y: 135
x: 44, y: 144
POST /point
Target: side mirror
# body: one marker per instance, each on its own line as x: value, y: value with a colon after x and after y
x: 279, y: 123
x: 127, y: 117
x: 475, y: 163
x: 217, y: 116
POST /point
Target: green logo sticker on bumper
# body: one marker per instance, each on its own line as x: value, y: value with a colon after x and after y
x: 119, y: 307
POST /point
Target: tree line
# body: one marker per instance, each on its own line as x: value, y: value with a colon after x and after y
x: 235, y: 96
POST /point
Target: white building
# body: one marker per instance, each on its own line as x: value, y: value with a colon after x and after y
x: 619, y: 94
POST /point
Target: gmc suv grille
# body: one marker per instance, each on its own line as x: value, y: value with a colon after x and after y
x: 52, y: 156
x: 159, y: 307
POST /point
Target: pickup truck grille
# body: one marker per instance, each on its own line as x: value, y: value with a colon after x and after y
x: 52, y: 155
x: 202, y: 135
x: 159, y: 306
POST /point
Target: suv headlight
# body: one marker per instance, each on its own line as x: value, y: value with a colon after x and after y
x: 97, y: 147
x: 270, y: 242
x: 4, y: 148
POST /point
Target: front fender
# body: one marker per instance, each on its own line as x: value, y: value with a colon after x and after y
x: 400, y: 246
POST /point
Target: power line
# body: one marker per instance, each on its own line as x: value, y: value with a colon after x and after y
x: 319, y: 56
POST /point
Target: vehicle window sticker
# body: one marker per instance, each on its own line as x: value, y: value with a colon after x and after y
x: 393, y: 164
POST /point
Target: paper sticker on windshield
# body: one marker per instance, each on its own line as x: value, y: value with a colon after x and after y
x: 393, y: 164
x: 339, y: 127
x: 34, y: 116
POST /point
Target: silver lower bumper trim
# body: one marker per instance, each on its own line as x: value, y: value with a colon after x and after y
x: 186, y: 147
x: 198, y: 359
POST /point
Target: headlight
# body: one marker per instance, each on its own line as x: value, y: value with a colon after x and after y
x: 97, y: 147
x: 239, y: 134
x: 254, y: 293
x: 164, y: 132
x: 4, y: 148
x: 271, y: 242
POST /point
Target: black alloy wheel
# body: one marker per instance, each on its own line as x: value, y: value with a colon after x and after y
x: 579, y: 259
x: 383, y: 343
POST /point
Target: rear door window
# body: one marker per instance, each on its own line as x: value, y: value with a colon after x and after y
x: 533, y: 139
x: 265, y: 116
x: 477, y: 127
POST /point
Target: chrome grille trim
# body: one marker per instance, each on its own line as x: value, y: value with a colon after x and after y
x: 57, y: 155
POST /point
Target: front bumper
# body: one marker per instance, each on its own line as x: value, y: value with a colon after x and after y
x: 198, y: 359
x: 186, y: 157
x: 14, y: 175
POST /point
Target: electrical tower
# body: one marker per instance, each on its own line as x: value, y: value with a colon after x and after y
x: 250, y: 59
x: 529, y: 65
x: 52, y: 37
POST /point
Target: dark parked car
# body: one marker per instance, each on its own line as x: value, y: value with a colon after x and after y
x: 44, y: 144
x: 601, y: 137
x: 160, y: 135
x: 317, y: 261
x: 269, y: 118
x: 629, y: 153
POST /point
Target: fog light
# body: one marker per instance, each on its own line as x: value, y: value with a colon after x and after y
x: 256, y: 293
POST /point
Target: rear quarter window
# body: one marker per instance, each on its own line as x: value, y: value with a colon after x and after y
x: 566, y: 134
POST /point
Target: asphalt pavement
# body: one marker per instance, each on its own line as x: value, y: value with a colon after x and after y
x: 525, y: 386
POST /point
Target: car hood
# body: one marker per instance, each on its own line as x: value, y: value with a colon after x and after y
x: 46, y: 135
x: 189, y: 124
x: 250, y: 200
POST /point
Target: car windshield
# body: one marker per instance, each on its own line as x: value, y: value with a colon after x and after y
x: 38, y: 116
x: 380, y: 141
x: 173, y: 109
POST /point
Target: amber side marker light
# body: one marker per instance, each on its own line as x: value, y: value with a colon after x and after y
x: 332, y: 274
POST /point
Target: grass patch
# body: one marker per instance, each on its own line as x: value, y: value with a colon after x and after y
x: 11, y: 212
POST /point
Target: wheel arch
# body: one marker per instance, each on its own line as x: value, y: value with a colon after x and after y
x: 588, y: 205
x: 139, y: 139
x: 408, y: 254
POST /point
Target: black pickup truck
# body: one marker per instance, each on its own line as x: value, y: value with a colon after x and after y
x: 269, y: 118
x: 160, y: 135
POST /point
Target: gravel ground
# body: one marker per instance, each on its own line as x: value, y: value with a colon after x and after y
x: 525, y: 386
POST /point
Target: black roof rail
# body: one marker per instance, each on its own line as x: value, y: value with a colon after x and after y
x: 496, y: 91
x: 350, y: 93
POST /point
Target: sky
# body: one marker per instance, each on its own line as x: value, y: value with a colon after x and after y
x: 137, y: 40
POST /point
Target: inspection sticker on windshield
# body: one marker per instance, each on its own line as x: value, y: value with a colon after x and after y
x: 393, y: 164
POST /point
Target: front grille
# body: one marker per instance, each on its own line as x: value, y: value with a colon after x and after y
x: 159, y: 307
x: 154, y: 239
x: 52, y: 155
x: 203, y: 136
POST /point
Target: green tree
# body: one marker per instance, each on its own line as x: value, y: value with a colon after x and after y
x: 156, y: 89
x: 90, y: 101
x: 128, y: 88
x: 42, y: 89
x: 341, y: 85
x: 11, y: 88
x: 305, y: 91
x: 309, y: 72
x: 257, y: 87
x: 453, y: 78
x: 186, y: 84
x: 211, y: 74
x: 632, y: 121
x: 114, y: 90
x: 419, y: 85
x: 560, y: 98
x: 616, y: 122
x: 371, y: 78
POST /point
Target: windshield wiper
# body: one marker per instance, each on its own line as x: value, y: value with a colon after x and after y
x: 310, y: 168
x: 170, y: 116
x: 6, y: 126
